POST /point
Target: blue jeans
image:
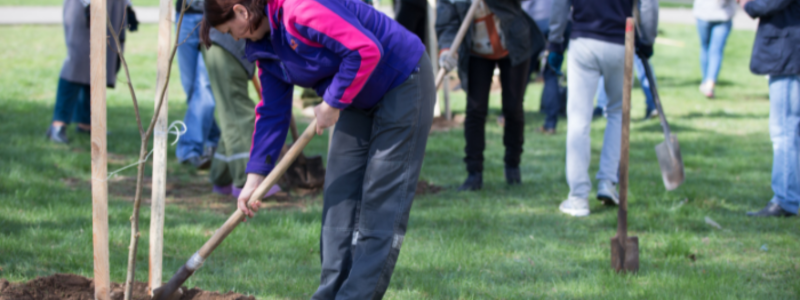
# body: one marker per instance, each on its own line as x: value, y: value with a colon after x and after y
x: 784, y: 131
x: 72, y: 103
x: 713, y: 36
x: 638, y: 66
x: 201, y: 129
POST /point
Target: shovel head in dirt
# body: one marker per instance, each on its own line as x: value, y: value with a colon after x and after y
x: 669, y: 157
x: 625, y: 259
x: 306, y: 173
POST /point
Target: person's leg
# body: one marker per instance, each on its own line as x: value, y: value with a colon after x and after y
x: 551, y: 101
x: 82, y: 115
x: 638, y: 66
x: 704, y: 32
x: 612, y: 66
x: 220, y: 173
x: 602, y: 98
x: 67, y: 96
x: 188, y: 54
x: 342, y: 196
x: 784, y: 128
x: 513, y: 82
x: 584, y: 74
x: 397, y: 149
x: 200, y: 113
x: 719, y: 35
x: 480, y: 81
x: 412, y: 17
x: 229, y: 83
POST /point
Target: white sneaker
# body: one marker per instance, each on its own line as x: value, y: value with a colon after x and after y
x: 607, y: 192
x: 575, y: 207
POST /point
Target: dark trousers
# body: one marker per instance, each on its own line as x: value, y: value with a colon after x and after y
x: 373, y: 166
x: 554, y: 98
x: 411, y: 14
x: 73, y: 103
x: 513, y: 80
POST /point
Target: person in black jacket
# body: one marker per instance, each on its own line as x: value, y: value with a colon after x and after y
x: 776, y: 52
x: 503, y: 35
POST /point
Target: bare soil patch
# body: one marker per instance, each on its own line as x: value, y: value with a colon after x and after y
x: 75, y: 287
x: 426, y: 188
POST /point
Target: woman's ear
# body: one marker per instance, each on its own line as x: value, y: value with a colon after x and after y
x: 241, y: 12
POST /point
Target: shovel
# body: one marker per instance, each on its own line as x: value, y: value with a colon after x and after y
x: 305, y: 172
x: 168, y: 291
x: 625, y: 249
x: 668, y: 152
x: 462, y: 31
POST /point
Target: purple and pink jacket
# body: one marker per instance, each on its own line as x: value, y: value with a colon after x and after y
x: 350, y: 53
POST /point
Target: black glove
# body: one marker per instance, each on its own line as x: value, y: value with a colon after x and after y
x: 644, y: 51
x: 88, y: 14
x: 133, y: 23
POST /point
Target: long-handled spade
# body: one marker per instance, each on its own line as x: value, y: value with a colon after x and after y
x: 166, y: 291
x: 462, y: 31
x: 668, y: 152
x: 625, y: 249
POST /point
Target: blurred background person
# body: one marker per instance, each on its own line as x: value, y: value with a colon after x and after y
x: 775, y: 53
x: 501, y: 35
x: 714, y: 21
x: 196, y: 146
x: 73, y: 93
x: 596, y: 49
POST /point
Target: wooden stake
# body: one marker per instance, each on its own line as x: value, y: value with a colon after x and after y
x: 102, y: 280
x: 159, y: 190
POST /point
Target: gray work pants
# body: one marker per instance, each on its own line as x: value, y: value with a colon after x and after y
x: 374, y: 163
x: 588, y: 60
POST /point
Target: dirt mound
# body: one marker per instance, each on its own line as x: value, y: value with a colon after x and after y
x: 440, y: 124
x: 426, y: 188
x: 75, y: 287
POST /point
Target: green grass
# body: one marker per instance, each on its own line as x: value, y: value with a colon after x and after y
x: 498, y: 243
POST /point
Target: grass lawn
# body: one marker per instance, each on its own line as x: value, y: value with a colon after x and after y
x: 498, y: 243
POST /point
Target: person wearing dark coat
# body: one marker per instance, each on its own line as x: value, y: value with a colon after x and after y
x: 776, y: 52
x: 412, y: 15
x: 73, y: 93
x: 501, y: 35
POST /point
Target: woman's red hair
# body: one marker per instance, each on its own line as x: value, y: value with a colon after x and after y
x: 220, y: 11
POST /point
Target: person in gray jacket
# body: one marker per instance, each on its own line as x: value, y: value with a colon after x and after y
x: 596, y: 49
x: 73, y: 93
x: 503, y: 35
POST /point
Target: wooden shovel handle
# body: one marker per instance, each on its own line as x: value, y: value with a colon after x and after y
x: 273, y: 177
x: 462, y: 31
x: 622, y: 214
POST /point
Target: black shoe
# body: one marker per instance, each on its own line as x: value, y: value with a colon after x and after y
x: 474, y: 182
x: 78, y: 129
x: 772, y: 210
x: 57, y: 134
x: 199, y: 162
x: 597, y: 112
x: 513, y: 176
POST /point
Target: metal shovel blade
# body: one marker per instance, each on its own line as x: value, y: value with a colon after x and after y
x: 625, y: 259
x: 671, y: 162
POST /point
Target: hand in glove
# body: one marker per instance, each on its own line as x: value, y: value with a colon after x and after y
x: 133, y: 22
x: 643, y: 51
x: 88, y: 14
x: 554, y: 60
x: 448, y: 60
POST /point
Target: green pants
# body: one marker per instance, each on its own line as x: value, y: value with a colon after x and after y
x: 235, y: 115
